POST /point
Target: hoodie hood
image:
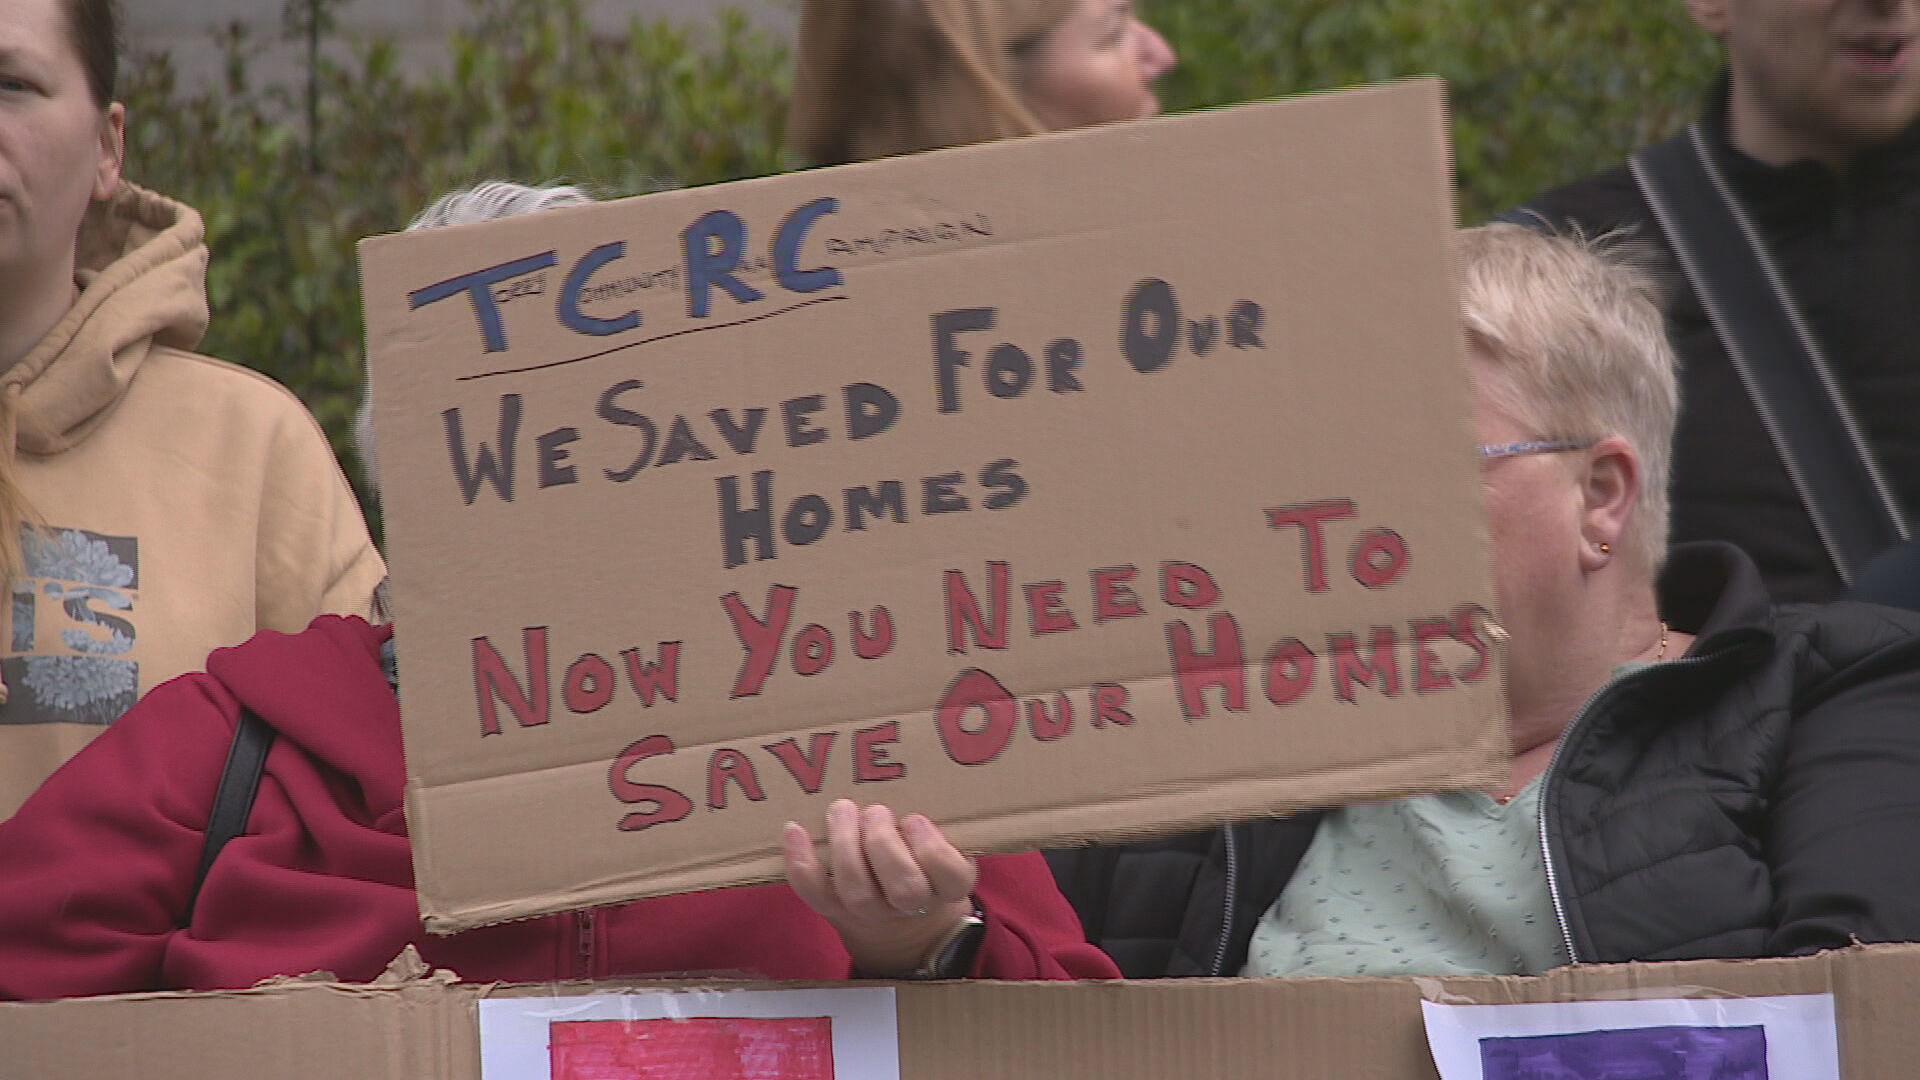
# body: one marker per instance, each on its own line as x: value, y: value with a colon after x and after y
x: 325, y: 690
x: 142, y: 271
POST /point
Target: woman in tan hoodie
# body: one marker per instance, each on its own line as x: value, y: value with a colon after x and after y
x: 154, y: 503
x: 875, y: 78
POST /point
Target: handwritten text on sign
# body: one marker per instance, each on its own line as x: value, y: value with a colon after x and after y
x: 977, y: 716
x: 894, y: 481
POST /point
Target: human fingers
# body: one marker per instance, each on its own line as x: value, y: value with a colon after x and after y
x: 805, y: 872
x: 896, y: 870
x: 854, y: 888
x: 950, y: 875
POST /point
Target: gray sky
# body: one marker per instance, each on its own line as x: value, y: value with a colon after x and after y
x: 184, y: 27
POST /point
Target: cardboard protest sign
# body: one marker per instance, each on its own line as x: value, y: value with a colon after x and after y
x: 1221, y: 1029
x: 1094, y: 485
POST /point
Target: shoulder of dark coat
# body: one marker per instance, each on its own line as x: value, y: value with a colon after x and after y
x: 1828, y: 638
x: 1603, y: 203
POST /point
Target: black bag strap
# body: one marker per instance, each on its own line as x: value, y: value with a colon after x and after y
x: 233, y: 799
x: 1777, y: 358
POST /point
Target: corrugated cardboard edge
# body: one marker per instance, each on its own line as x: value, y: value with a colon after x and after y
x: 1270, y: 1029
x: 421, y: 1031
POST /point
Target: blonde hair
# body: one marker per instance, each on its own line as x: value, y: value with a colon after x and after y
x: 1574, y: 327
x: 875, y: 78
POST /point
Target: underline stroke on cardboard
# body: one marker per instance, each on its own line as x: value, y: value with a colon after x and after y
x: 649, y: 341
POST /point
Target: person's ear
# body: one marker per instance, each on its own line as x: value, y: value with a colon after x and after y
x: 1609, y: 492
x: 1710, y: 15
x: 113, y: 152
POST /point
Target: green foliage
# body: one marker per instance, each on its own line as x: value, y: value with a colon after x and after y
x: 289, y: 177
x: 1541, y: 93
x: 288, y: 182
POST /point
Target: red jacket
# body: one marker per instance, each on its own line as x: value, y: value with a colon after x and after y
x: 95, y: 869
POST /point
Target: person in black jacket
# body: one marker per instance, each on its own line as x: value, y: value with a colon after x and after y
x: 1813, y: 128
x: 1696, y: 773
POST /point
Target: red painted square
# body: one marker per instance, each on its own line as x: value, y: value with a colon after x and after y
x: 708, y: 1048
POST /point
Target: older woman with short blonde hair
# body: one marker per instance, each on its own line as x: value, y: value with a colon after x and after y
x: 1695, y: 772
x: 1571, y: 341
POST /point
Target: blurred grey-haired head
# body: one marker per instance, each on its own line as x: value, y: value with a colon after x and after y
x: 489, y: 200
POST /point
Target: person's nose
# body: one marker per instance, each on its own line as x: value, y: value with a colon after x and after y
x: 1156, y: 56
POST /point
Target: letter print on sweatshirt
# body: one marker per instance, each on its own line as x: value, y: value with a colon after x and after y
x: 72, y: 629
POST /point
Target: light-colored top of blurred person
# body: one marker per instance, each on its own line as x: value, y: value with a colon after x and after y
x: 155, y: 503
x: 875, y: 78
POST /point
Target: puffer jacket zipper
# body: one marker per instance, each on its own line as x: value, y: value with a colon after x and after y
x: 1549, y: 820
x: 1226, y: 915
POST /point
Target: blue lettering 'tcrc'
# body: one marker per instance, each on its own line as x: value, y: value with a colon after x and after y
x: 713, y: 245
x: 707, y: 267
x: 478, y: 286
x: 568, y: 306
x: 786, y: 248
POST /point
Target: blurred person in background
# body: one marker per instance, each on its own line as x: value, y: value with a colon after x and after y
x: 154, y: 503
x: 1696, y: 773
x: 1812, y: 135
x: 127, y: 894
x: 876, y: 78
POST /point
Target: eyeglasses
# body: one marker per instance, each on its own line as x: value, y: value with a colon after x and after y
x: 1536, y: 446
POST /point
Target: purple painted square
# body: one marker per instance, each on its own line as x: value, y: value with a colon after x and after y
x: 1658, y: 1053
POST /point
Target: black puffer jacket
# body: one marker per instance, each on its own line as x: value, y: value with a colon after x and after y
x: 1849, y: 248
x: 1758, y: 797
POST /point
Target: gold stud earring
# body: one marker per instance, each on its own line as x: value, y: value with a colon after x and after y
x: 1605, y: 549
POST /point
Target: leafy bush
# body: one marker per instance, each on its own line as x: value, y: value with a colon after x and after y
x: 530, y: 93
x: 290, y: 177
x: 1541, y: 93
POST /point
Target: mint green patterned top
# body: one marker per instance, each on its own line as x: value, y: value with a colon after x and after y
x: 1425, y: 885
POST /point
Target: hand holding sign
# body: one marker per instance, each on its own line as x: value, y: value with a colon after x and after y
x: 893, y: 888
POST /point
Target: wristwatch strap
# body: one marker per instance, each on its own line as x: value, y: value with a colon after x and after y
x: 953, y: 958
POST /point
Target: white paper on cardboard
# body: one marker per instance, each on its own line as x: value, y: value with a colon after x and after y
x: 1789, y: 1037
x: 849, y: 1033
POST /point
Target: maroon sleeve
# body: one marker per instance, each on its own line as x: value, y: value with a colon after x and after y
x: 1032, y: 933
x: 98, y: 863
